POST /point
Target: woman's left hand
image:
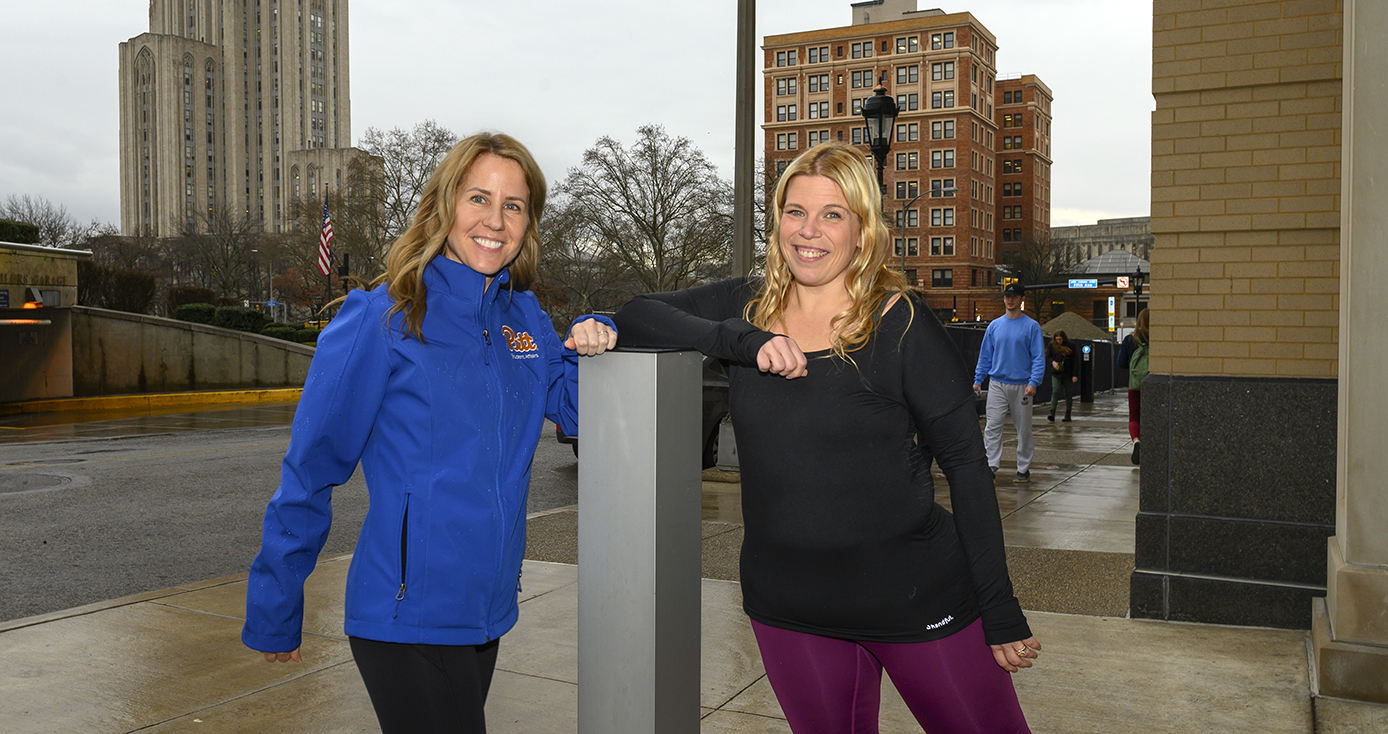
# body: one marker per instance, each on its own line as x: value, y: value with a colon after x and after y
x: 1015, y: 655
x: 591, y: 337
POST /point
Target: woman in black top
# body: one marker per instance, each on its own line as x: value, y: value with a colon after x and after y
x: 844, y: 389
x: 1060, y: 354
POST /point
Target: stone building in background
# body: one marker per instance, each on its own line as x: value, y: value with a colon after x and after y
x: 232, y: 108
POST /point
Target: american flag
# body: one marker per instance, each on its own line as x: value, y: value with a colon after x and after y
x: 325, y: 241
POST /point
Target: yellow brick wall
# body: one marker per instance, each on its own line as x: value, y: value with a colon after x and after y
x: 1246, y: 187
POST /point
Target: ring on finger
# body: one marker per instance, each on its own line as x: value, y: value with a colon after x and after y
x: 1021, y: 652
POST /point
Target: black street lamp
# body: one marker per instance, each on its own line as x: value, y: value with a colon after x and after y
x: 879, y: 112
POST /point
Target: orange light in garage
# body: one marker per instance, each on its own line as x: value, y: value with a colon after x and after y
x: 34, y: 304
x: 24, y: 322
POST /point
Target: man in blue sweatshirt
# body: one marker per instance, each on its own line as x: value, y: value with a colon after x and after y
x: 1013, y: 359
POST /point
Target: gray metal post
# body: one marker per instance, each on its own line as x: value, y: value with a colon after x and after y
x: 638, y: 543
x: 744, y: 137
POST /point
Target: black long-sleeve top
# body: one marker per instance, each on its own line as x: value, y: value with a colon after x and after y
x: 842, y: 536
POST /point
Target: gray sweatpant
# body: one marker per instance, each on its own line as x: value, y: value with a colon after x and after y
x: 1003, y: 399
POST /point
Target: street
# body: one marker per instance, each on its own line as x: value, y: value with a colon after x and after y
x: 83, y: 521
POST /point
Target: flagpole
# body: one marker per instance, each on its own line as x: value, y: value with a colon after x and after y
x: 325, y: 253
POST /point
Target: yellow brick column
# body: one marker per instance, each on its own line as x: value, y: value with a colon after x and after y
x: 1238, y: 472
x: 1350, y: 629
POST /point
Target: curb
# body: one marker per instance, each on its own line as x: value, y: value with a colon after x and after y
x: 151, y: 400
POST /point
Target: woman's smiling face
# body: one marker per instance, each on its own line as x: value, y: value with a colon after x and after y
x: 819, y: 234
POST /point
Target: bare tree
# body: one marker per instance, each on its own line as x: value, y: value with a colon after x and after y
x: 220, y: 256
x: 577, y: 277
x: 408, y: 159
x: 1038, y: 261
x: 657, y: 208
x: 57, y: 228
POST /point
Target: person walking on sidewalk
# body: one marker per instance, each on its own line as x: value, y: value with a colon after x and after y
x: 1061, y: 356
x: 1132, y: 356
x: 1014, y: 361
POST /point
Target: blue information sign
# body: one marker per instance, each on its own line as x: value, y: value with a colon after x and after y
x: 1084, y: 283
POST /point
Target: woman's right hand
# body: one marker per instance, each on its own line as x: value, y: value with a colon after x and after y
x: 782, y: 356
x: 283, y: 657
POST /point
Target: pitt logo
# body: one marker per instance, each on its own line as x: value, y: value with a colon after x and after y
x: 522, y: 345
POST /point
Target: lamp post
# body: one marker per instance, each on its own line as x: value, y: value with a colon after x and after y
x: 879, y: 112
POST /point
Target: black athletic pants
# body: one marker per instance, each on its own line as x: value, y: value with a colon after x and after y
x: 427, y: 689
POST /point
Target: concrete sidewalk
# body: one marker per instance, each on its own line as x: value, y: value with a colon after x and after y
x: 172, y: 660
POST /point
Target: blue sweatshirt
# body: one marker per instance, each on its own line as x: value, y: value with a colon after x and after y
x: 445, y: 431
x: 1013, y: 352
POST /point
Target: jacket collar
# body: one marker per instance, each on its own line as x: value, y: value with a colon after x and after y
x: 461, y: 281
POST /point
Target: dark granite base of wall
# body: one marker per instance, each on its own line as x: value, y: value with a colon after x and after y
x: 1237, y: 499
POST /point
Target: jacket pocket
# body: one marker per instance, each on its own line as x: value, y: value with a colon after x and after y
x: 404, y: 553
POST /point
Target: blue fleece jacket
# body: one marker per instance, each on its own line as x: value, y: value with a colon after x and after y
x: 1013, y: 352
x: 445, y: 431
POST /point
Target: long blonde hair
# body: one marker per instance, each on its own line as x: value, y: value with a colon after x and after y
x: 428, y: 234
x: 869, y: 281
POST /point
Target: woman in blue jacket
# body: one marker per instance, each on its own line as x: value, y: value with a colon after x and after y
x: 437, y: 381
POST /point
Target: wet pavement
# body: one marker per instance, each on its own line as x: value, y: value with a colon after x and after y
x: 172, y: 661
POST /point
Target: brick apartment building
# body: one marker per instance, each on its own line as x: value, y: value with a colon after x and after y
x: 969, y: 167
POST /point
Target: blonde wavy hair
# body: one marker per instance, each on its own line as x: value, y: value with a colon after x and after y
x: 428, y: 234
x: 869, y: 281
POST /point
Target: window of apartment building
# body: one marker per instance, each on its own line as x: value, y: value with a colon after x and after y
x: 942, y: 100
x: 1007, y: 142
x: 907, y: 102
x: 941, y: 40
x: 910, y: 245
x: 908, y: 74
x: 786, y: 86
x: 780, y: 113
x: 812, y: 110
x: 942, y: 246
x: 818, y: 82
x: 1012, y: 189
x: 942, y: 279
x: 1012, y: 166
x: 862, y: 50
x: 942, y: 187
x: 942, y: 159
x: 858, y: 106
x: 886, y: 46
x: 942, y: 217
x: 942, y: 130
x: 785, y: 141
x: 907, y: 161
x: 1012, y: 120
x: 908, y: 218
x: 838, y: 109
x: 857, y: 135
x: 862, y: 79
x: 781, y: 167
x: 942, y: 70
x: 908, y: 132
x: 817, y: 137
x: 785, y: 58
x: 908, y: 45
x: 818, y: 55
x: 907, y: 189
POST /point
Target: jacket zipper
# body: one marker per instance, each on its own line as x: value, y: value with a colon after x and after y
x: 495, y: 373
x: 404, y: 553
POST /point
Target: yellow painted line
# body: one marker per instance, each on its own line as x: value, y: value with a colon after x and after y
x: 13, y: 428
x: 153, y: 400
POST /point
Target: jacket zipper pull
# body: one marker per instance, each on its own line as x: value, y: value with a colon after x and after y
x: 487, y: 353
x: 487, y: 337
x: 401, y: 596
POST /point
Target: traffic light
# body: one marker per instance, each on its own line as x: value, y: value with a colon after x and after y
x: 1008, y: 281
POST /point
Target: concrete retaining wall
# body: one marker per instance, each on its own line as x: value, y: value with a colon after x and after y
x: 115, y: 352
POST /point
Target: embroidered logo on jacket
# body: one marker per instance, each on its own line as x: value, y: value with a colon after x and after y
x: 522, y: 345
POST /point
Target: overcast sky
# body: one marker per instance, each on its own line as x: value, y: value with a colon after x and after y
x: 558, y: 75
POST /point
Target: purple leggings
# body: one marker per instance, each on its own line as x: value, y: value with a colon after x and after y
x: 831, y: 686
